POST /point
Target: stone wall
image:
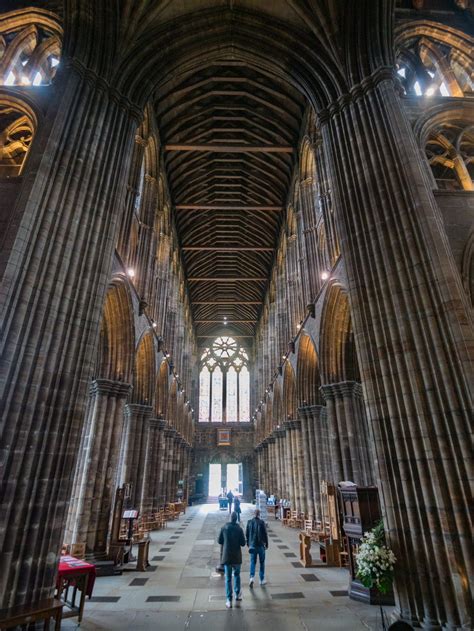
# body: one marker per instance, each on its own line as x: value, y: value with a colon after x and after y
x: 207, y: 451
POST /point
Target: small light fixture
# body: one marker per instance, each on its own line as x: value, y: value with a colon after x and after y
x: 324, y: 275
x: 131, y: 272
x: 154, y: 325
x: 283, y: 357
x: 177, y: 376
x: 430, y: 91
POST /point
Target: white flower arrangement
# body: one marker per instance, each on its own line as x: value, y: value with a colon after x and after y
x: 375, y: 561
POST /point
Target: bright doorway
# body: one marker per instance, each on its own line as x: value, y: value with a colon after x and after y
x: 215, y: 476
x: 234, y: 478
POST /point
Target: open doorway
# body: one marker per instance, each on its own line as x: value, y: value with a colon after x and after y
x: 234, y: 478
x: 215, y: 477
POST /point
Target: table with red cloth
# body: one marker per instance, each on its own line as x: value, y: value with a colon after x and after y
x: 79, y: 576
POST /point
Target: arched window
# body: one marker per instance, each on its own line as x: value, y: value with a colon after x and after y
x: 224, y: 383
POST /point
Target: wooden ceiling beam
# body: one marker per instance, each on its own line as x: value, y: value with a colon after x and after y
x: 230, y: 279
x: 222, y: 207
x: 202, y: 248
x: 226, y: 302
x: 232, y: 148
x: 228, y: 321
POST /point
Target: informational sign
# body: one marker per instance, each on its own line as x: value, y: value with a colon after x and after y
x: 223, y: 437
x: 130, y: 514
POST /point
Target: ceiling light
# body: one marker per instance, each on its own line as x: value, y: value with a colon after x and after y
x: 324, y: 275
x: 131, y: 272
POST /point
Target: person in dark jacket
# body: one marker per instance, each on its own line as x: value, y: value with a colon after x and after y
x: 237, y: 508
x: 257, y: 541
x: 230, y: 498
x: 232, y: 539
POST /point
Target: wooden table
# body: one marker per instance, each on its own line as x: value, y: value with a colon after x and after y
x: 75, y: 575
x: 28, y: 614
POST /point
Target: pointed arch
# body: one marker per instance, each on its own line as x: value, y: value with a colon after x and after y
x: 308, y: 379
x: 162, y: 388
x: 289, y: 392
x: 338, y: 355
x: 117, y: 337
x: 144, y: 373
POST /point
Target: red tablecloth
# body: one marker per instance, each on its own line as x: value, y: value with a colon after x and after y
x: 70, y: 567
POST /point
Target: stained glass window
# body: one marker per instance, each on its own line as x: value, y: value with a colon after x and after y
x: 244, y: 395
x: 224, y: 390
x: 217, y: 382
x: 204, y: 392
x: 231, y: 407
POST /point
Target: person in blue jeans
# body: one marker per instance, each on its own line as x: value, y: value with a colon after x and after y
x: 257, y: 541
x: 232, y: 539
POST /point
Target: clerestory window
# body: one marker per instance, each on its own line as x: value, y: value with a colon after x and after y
x: 224, y: 383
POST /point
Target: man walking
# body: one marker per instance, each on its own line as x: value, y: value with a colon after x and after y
x: 232, y: 539
x: 230, y: 498
x: 257, y: 541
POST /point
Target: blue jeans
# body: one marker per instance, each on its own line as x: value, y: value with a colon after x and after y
x: 260, y: 550
x: 228, y: 580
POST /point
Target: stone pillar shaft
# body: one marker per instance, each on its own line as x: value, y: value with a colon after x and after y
x: 137, y: 418
x: 94, y: 484
x: 413, y: 332
x: 53, y: 291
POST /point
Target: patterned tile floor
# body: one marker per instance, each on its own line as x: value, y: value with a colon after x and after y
x: 182, y: 591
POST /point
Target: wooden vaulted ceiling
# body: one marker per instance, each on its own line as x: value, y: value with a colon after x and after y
x: 230, y: 134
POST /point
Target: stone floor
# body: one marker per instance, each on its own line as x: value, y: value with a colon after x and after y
x: 181, y: 591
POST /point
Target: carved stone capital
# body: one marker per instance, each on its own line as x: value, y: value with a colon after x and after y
x: 107, y: 387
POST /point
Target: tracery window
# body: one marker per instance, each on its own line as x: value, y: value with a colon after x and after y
x: 224, y: 383
x: 427, y: 66
x: 30, y: 47
x: 16, y: 133
x: 450, y: 152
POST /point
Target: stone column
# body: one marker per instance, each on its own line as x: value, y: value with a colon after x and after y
x: 94, y: 483
x: 299, y: 462
x: 149, y: 501
x: 52, y: 293
x: 137, y: 418
x: 308, y: 474
x: 319, y: 456
x: 290, y: 466
x: 272, y: 465
x: 160, y: 488
x: 347, y: 420
x: 414, y: 337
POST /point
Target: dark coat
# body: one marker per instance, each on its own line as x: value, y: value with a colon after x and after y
x: 256, y: 533
x: 231, y: 538
x: 237, y: 505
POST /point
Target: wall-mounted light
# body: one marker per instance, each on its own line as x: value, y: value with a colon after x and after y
x: 324, y: 275
x: 154, y: 325
x: 131, y: 272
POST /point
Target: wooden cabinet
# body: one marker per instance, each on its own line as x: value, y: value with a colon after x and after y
x: 361, y: 512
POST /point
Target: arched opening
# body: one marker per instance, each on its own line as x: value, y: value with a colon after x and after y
x: 162, y: 388
x: 307, y: 373
x: 144, y: 381
x: 17, y: 129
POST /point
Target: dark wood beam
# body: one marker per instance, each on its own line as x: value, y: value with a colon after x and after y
x: 231, y: 279
x: 226, y: 302
x: 232, y: 148
x: 219, y: 207
x: 221, y: 322
x: 213, y: 335
x: 199, y: 248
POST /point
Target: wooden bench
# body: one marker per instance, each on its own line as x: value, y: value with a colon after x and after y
x: 30, y: 614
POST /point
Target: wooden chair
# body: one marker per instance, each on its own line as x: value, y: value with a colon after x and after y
x: 78, y: 550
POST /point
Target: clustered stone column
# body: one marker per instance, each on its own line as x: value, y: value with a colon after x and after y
x: 134, y: 446
x: 151, y: 487
x: 414, y: 338
x: 70, y: 213
x: 350, y: 444
x: 316, y: 455
x: 94, y: 482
